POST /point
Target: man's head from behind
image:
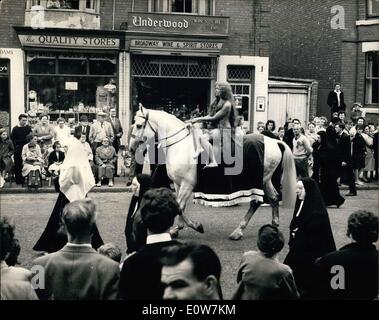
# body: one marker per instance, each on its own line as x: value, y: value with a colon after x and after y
x: 362, y: 226
x: 6, y: 237
x: 191, y: 272
x: 158, y: 210
x: 79, y: 219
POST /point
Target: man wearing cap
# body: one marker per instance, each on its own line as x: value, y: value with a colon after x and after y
x: 83, y: 128
x: 99, y: 131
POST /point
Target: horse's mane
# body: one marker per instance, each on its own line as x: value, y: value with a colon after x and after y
x: 170, y: 116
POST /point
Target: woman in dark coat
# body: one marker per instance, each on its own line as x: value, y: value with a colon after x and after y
x: 140, y: 184
x: 326, y: 158
x: 311, y: 235
x: 359, y: 154
x: 75, y: 181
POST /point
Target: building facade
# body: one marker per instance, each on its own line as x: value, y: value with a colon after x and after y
x: 330, y: 41
x: 73, y: 57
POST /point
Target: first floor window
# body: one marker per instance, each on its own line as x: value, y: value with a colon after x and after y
x: 372, y: 78
x: 201, y: 7
x: 181, y: 6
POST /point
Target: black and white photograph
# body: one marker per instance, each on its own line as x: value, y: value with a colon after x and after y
x: 201, y: 150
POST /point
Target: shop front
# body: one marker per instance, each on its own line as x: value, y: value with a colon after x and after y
x: 70, y: 73
x: 174, y: 61
x: 11, y: 85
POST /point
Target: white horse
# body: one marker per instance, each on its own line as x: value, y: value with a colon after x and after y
x: 178, y: 142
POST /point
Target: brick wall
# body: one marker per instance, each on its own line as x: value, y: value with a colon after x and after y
x: 12, y: 12
x: 121, y: 13
x: 304, y: 45
x: 249, y: 26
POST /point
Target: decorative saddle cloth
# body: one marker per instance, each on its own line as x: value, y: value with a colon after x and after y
x: 217, y: 189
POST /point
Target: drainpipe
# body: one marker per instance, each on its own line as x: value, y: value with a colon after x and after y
x: 309, y: 103
x: 113, y: 13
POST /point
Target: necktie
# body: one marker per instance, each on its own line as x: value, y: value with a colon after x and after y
x: 83, y: 129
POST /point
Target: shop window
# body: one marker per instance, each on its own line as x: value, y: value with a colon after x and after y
x: 171, y: 67
x: 42, y: 65
x: 74, y: 85
x: 372, y: 78
x: 71, y: 66
x: 102, y: 66
x: 373, y: 8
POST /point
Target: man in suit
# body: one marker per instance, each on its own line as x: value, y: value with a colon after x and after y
x: 118, y: 132
x: 141, y: 272
x: 100, y: 130
x: 83, y: 128
x: 77, y: 271
x: 356, y: 263
x: 345, y: 161
x: 117, y: 129
x: 191, y: 272
x: 336, y: 100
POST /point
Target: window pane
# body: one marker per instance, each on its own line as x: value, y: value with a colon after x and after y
x: 373, y: 7
x: 71, y: 66
x: 374, y: 57
x: 42, y: 66
x: 181, y: 5
x: 70, y: 4
x: 102, y: 66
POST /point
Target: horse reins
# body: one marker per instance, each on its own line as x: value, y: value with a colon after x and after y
x: 166, y: 138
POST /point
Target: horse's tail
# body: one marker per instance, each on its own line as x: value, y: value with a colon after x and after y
x: 288, y: 177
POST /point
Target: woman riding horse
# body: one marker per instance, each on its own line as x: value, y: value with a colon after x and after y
x: 223, y: 118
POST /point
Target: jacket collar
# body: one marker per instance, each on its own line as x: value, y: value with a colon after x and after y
x: 81, y: 249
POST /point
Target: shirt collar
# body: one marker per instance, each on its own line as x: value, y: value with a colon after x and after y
x: 69, y: 244
x: 3, y: 264
x: 160, y: 237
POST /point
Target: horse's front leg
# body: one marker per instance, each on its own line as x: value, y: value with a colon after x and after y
x: 183, y: 194
x: 237, y: 234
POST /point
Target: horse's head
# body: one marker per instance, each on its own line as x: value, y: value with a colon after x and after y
x: 142, y: 129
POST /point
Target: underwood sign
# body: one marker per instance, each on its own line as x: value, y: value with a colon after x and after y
x: 208, y: 46
x: 178, y: 23
x: 69, y: 41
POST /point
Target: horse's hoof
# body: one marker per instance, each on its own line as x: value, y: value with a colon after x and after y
x: 236, y: 235
x: 199, y: 228
x: 174, y: 234
x: 275, y: 224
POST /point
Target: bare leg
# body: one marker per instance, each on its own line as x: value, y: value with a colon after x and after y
x: 237, y: 234
x: 204, y: 139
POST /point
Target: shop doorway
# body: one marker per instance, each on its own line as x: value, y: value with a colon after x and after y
x: 176, y: 84
x: 4, y: 94
x: 184, y: 98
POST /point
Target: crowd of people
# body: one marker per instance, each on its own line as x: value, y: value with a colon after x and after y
x: 78, y: 265
x: 332, y: 152
x: 35, y: 150
x: 160, y: 267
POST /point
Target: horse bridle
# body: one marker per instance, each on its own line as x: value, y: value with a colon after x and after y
x: 158, y: 141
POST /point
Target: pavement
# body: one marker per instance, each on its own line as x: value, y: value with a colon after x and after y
x: 120, y: 186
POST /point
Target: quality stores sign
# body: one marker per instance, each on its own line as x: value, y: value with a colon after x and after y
x: 59, y: 41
